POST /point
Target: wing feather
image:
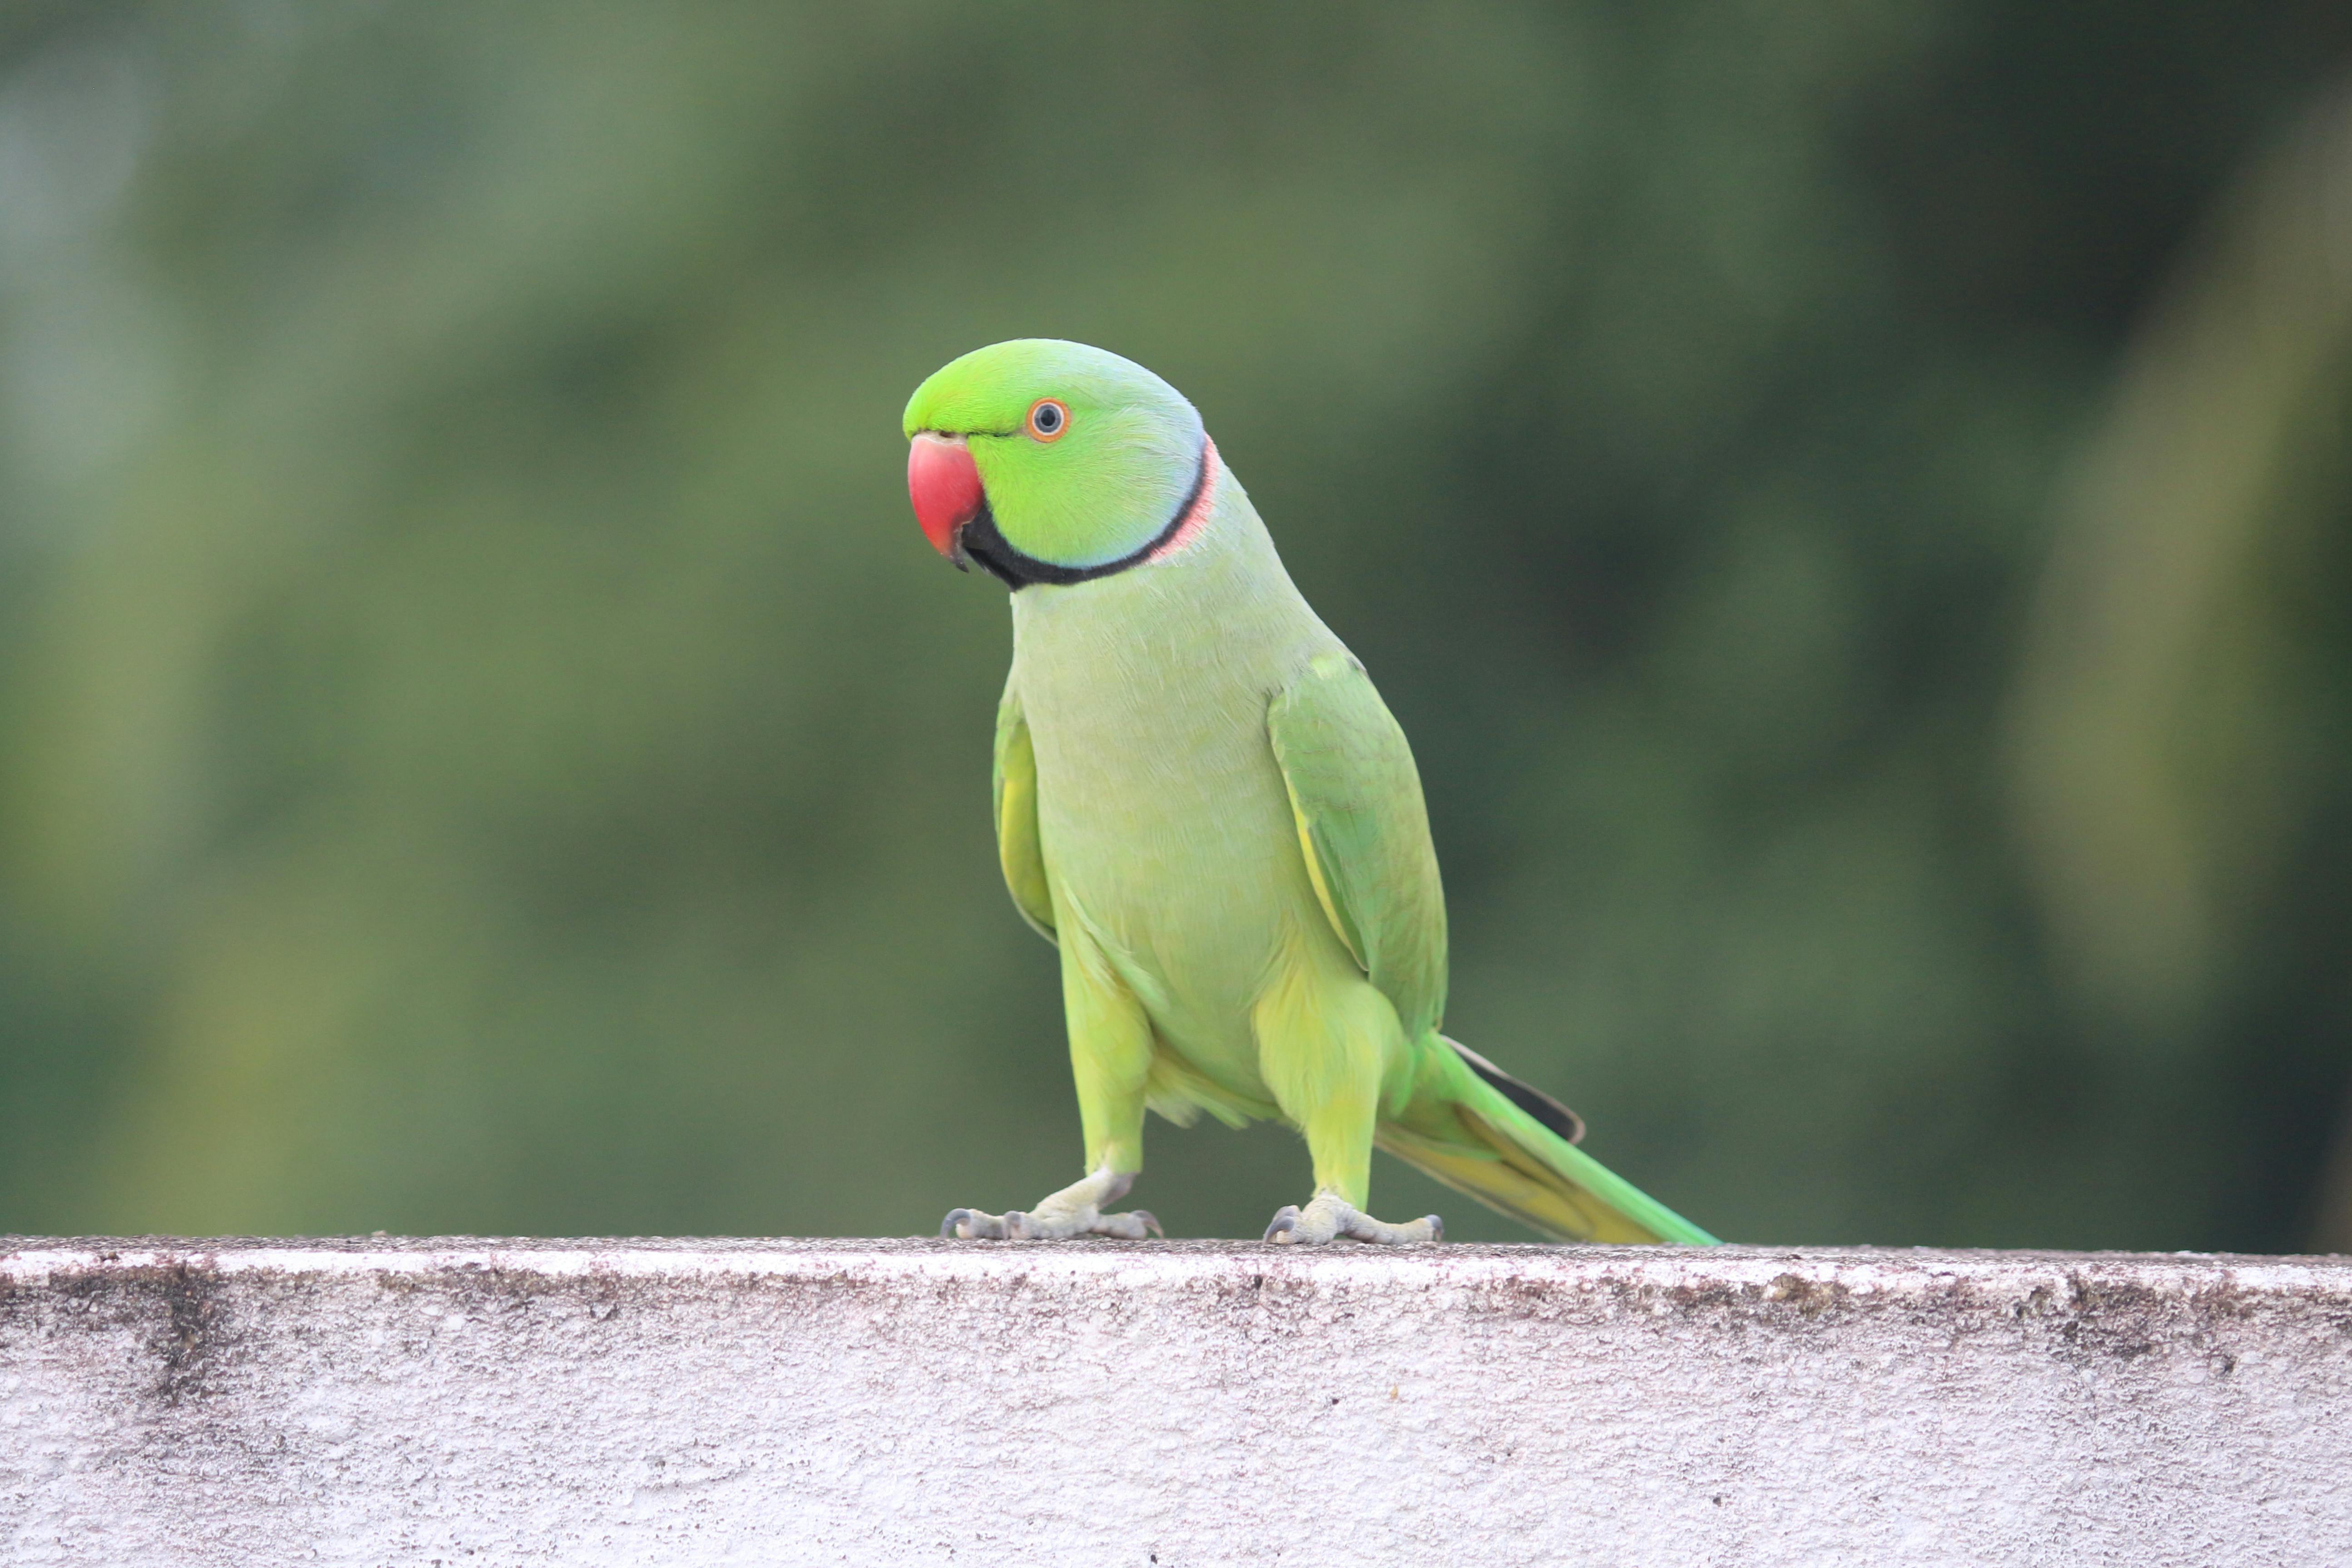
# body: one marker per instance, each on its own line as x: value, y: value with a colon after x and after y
x: 1018, y: 848
x: 1364, y: 830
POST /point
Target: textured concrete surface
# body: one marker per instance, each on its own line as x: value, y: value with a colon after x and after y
x: 642, y: 1402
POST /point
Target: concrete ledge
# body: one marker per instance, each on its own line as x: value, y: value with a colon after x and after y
x: 789, y: 1401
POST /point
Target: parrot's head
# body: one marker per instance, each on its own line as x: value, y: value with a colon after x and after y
x: 1053, y: 462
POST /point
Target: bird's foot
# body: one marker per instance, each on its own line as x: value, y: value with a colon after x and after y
x: 1076, y: 1210
x: 1330, y: 1216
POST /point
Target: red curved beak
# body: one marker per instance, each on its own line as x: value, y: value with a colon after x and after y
x: 944, y: 484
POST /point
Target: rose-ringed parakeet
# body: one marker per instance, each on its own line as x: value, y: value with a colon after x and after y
x: 1202, y: 802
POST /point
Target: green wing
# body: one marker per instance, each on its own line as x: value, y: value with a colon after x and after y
x: 1356, y: 797
x: 1017, y: 846
x: 1364, y: 830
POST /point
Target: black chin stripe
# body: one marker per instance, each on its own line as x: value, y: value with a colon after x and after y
x: 985, y: 544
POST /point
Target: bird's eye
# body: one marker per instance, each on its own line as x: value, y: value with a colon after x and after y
x: 1048, y: 419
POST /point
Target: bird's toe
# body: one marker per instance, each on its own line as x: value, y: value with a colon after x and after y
x: 972, y: 1225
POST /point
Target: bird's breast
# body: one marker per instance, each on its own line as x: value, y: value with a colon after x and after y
x: 1161, y: 811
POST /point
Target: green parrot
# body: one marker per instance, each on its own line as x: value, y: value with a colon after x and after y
x: 1204, y: 802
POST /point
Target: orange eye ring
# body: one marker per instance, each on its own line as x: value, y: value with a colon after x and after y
x: 1049, y: 419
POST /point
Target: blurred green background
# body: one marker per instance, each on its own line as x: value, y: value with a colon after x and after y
x: 1848, y: 501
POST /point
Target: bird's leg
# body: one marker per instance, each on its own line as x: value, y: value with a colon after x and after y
x: 1331, y: 1216
x: 1323, y: 1053
x: 1110, y: 1058
x: 1076, y: 1210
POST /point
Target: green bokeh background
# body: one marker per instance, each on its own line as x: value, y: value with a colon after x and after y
x: 483, y: 746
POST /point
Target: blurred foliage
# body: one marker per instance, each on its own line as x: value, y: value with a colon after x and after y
x: 2182, y: 732
x: 483, y: 746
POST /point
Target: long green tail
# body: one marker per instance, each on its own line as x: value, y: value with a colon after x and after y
x: 1508, y: 1159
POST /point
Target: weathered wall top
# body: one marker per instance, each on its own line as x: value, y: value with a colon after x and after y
x: 783, y: 1401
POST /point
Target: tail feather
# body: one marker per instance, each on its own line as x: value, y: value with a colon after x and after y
x: 1521, y: 1164
x: 1554, y: 1117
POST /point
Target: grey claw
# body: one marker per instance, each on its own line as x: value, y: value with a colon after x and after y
x: 1436, y: 1230
x: 1149, y: 1222
x: 1285, y: 1220
x: 1016, y: 1226
x: 983, y: 1227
